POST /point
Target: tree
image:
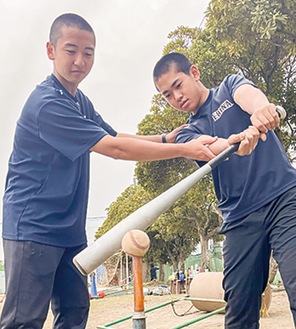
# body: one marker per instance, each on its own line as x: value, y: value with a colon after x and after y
x: 204, y: 211
x: 172, y: 241
x: 192, y: 219
x: 253, y: 37
x: 157, y: 176
x: 132, y: 198
x: 257, y: 38
x: 129, y: 201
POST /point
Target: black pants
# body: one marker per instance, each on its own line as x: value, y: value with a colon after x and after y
x: 246, y: 252
x: 37, y: 275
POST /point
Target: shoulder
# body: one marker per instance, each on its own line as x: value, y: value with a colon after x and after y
x: 46, y: 92
x: 42, y: 95
x: 84, y: 100
x: 232, y: 81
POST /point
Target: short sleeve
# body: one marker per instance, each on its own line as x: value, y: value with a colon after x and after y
x: 233, y: 81
x: 67, y: 130
x: 187, y: 134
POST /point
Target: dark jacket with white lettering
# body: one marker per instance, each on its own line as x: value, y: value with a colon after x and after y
x: 242, y: 184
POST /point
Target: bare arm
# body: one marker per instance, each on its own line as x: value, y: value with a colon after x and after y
x: 203, y: 148
x: 141, y: 150
x: 150, y: 138
x: 263, y: 113
x: 169, y: 137
x: 248, y: 140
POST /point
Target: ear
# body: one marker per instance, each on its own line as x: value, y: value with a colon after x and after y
x: 50, y: 51
x: 194, y: 71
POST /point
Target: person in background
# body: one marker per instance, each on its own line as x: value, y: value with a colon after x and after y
x: 181, y: 276
x: 182, y: 279
x: 256, y: 193
x: 171, y: 277
x: 153, y: 274
x: 188, y: 273
x: 196, y: 269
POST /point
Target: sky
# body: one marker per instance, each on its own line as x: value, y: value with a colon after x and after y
x: 131, y: 35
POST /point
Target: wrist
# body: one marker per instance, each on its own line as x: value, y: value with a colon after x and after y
x: 163, y: 138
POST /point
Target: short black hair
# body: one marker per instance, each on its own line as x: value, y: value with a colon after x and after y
x: 69, y: 20
x: 180, y: 61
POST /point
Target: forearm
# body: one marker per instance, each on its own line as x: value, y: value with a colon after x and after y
x: 141, y: 150
x: 220, y: 145
x: 137, y: 149
x: 150, y: 138
x: 264, y: 115
x: 247, y: 140
x: 169, y: 137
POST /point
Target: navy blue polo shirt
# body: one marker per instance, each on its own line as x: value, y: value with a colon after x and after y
x: 47, y: 183
x: 242, y: 184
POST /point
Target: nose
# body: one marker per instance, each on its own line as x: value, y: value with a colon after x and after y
x: 79, y: 60
x: 178, y: 95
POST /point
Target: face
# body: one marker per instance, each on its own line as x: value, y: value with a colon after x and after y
x: 73, y: 56
x: 183, y: 92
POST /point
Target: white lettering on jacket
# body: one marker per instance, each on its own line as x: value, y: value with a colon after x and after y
x: 222, y: 108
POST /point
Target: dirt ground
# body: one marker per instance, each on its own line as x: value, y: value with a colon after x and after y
x: 114, y: 308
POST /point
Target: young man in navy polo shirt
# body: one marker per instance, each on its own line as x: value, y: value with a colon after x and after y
x: 256, y: 193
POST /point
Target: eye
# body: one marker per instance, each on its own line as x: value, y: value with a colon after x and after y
x: 89, y: 55
x: 70, y: 52
x: 179, y: 85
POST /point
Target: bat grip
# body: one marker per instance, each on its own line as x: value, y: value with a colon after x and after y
x: 281, y: 112
x: 234, y: 147
x: 223, y: 155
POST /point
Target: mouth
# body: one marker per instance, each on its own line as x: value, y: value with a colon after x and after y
x: 77, y: 72
x: 184, y: 103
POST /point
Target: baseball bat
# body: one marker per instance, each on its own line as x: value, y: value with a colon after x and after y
x: 109, y: 243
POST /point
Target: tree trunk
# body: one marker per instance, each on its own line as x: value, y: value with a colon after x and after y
x: 175, y: 264
x: 205, y: 263
x: 174, y: 261
x: 161, y: 272
x: 181, y: 264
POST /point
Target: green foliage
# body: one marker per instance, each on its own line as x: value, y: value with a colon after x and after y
x: 129, y: 201
x: 258, y: 39
x: 182, y: 39
x: 200, y: 206
x: 162, y: 118
x: 211, y: 59
x: 157, y: 176
x: 253, y: 37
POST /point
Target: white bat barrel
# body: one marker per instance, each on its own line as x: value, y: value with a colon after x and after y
x: 109, y: 243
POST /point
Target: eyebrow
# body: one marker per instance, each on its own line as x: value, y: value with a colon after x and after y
x: 172, y: 85
x: 73, y: 45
